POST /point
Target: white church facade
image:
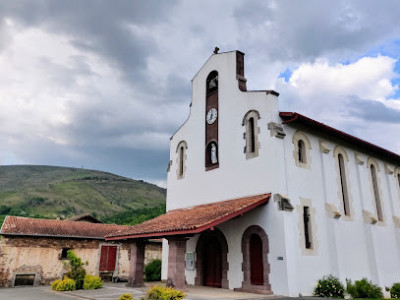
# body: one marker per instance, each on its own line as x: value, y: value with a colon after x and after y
x: 269, y: 202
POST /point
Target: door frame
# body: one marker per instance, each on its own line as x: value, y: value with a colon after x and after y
x: 116, y: 270
x: 219, y: 236
x: 246, y: 283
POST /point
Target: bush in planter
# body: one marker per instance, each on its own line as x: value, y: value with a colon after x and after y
x: 126, y: 297
x: 152, y: 270
x: 363, y: 289
x: 395, y: 290
x: 76, y: 270
x: 164, y: 293
x: 329, y: 286
x: 54, y: 284
x: 92, y: 282
x: 67, y: 284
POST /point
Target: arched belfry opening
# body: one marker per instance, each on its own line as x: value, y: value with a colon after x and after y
x: 212, y: 260
x: 212, y: 82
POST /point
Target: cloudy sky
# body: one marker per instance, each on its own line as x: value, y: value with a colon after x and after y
x: 104, y: 84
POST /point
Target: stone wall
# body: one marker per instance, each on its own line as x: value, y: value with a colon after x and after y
x: 152, y: 251
x: 42, y: 257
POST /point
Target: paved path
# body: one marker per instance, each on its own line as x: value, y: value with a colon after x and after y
x: 113, y: 291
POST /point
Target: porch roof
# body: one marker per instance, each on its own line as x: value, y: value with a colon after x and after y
x: 187, y: 221
x: 21, y: 226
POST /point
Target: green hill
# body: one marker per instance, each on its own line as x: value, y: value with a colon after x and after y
x: 51, y: 192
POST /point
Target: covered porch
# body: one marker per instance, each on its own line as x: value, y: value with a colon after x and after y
x: 179, y: 225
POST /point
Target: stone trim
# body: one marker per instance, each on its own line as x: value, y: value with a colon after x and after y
x: 324, y: 147
x: 314, y: 241
x: 276, y: 130
x: 389, y: 169
x: 283, y: 202
x: 340, y: 150
x: 256, y: 116
x: 359, y: 159
x: 247, y: 286
x: 179, y: 158
x: 297, y: 136
x: 199, y: 279
x: 372, y: 162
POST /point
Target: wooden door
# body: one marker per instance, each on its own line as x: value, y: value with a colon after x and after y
x: 256, y: 260
x: 212, y: 263
x: 108, y: 257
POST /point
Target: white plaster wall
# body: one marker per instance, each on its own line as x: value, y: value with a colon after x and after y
x: 227, y: 181
x: 348, y: 247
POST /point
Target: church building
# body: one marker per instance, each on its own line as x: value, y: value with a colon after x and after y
x: 265, y: 201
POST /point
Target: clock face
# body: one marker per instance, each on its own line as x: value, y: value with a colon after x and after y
x: 211, y: 116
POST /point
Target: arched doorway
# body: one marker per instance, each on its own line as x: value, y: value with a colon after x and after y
x: 256, y: 268
x: 256, y: 257
x: 211, y: 263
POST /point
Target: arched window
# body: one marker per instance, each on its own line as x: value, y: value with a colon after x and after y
x: 250, y: 121
x: 301, y: 151
x: 252, y: 143
x: 307, y: 227
x: 343, y: 183
x: 181, y: 159
x: 376, y: 192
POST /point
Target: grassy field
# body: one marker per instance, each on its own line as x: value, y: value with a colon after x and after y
x: 51, y: 192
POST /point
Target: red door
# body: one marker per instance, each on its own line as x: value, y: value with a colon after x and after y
x: 212, y: 263
x: 108, y: 256
x: 256, y: 260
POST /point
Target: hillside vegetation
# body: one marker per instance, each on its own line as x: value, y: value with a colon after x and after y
x: 51, y: 192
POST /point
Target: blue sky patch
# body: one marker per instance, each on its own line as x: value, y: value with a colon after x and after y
x: 286, y: 74
x: 396, y: 80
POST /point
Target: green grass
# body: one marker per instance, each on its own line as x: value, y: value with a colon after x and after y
x: 50, y: 192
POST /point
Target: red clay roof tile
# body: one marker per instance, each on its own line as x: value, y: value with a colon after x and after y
x: 191, y: 220
x: 57, y: 228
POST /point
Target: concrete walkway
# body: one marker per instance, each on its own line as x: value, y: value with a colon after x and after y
x: 111, y: 291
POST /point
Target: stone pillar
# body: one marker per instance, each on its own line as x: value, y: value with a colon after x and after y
x: 176, y: 263
x: 136, y: 264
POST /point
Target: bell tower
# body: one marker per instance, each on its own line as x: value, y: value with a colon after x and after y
x: 211, y: 122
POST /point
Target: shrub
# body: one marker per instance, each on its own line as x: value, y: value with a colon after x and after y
x: 363, y: 289
x: 92, y: 282
x: 395, y: 290
x: 329, y: 286
x: 126, y: 297
x: 152, y: 270
x: 55, y: 283
x: 164, y: 293
x: 67, y: 284
x: 76, y: 271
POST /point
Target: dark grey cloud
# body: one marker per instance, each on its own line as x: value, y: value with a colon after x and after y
x: 297, y: 31
x: 372, y: 111
x: 102, y: 27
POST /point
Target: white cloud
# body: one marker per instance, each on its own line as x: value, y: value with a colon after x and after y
x: 368, y: 78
